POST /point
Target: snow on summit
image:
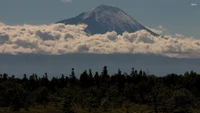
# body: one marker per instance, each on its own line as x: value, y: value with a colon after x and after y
x: 106, y: 18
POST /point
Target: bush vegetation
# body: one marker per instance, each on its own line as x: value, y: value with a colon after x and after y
x: 137, y: 92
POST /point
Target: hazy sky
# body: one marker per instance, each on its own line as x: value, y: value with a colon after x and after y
x: 177, y: 16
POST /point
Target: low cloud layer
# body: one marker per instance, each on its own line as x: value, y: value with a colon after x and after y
x: 56, y: 39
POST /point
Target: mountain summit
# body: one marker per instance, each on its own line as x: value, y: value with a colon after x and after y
x: 106, y: 18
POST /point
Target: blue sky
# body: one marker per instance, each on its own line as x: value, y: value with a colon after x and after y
x: 177, y: 16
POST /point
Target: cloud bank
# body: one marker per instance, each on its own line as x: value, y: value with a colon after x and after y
x: 58, y: 39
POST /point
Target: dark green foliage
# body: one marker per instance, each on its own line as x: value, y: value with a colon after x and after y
x: 169, y: 94
x: 42, y: 96
x: 68, y: 103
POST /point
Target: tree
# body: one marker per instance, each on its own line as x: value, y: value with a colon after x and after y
x: 104, y: 75
x: 90, y: 78
x: 43, y: 96
x: 68, y: 101
x: 5, y: 77
x: 62, y: 81
x: 67, y: 105
x: 105, y: 103
x: 155, y: 96
x: 72, y: 77
x: 91, y: 99
x: 183, y: 100
x: 25, y: 78
x: 84, y: 80
x: 16, y: 103
x: 97, y: 79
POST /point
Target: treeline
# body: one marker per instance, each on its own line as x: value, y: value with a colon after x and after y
x: 91, y: 91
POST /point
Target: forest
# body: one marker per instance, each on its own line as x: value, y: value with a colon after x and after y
x: 98, y: 92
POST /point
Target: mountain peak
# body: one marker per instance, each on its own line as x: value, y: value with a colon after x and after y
x: 106, y: 7
x: 106, y: 18
x: 102, y: 10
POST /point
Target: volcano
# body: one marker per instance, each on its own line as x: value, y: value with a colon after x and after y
x: 106, y: 18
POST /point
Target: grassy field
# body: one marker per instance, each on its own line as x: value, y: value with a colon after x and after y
x: 78, y: 109
x: 135, y: 108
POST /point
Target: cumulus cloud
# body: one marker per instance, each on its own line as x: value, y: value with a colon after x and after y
x: 57, y: 39
x: 159, y: 30
x: 66, y: 1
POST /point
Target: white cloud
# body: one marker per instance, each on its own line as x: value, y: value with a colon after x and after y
x: 63, y: 39
x: 66, y: 1
x: 193, y: 4
x: 159, y: 30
